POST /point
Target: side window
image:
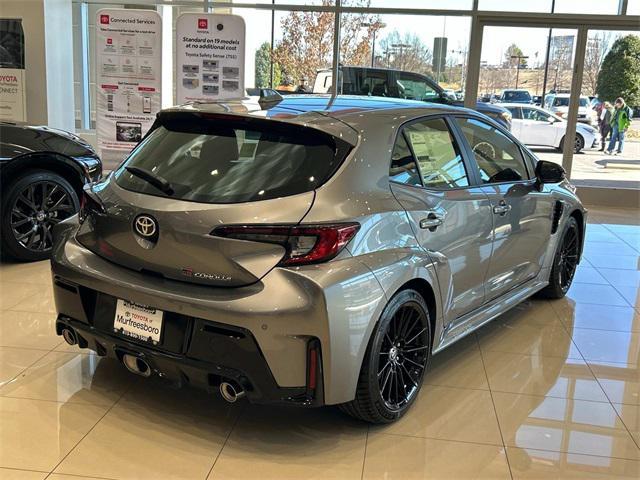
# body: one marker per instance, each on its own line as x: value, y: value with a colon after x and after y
x: 415, y: 88
x: 438, y: 156
x: 499, y: 159
x: 516, y: 113
x: 403, y: 165
x: 535, y: 115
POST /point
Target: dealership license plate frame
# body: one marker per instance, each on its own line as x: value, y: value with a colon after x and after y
x: 138, y: 314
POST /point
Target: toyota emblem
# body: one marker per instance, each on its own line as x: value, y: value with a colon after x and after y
x: 145, y: 226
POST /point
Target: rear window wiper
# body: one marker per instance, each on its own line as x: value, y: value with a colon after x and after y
x: 150, y: 177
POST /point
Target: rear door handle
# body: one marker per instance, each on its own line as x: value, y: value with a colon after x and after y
x: 502, y: 208
x: 433, y: 221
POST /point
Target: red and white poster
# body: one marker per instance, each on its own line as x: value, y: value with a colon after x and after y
x: 210, y: 52
x: 128, y: 78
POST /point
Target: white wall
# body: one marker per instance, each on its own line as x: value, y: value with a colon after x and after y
x: 48, y: 59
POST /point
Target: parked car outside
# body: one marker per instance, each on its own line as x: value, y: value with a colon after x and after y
x: 534, y: 126
x: 385, y: 82
x: 537, y: 100
x: 558, y: 103
x: 315, y: 253
x: 515, y: 96
x: 42, y: 173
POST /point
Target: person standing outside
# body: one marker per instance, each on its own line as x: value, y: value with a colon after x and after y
x: 604, y: 123
x: 620, y: 121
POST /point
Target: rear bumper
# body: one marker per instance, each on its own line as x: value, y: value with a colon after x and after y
x: 215, y: 353
x: 334, y: 304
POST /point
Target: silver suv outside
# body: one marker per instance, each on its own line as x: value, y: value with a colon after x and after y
x: 315, y: 253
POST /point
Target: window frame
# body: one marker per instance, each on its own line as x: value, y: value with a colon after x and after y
x: 469, y: 150
x: 470, y: 170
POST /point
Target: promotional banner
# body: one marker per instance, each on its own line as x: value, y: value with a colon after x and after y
x: 128, y: 78
x: 209, y: 57
x: 12, y: 90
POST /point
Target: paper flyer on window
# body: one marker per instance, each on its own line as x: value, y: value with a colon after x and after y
x: 210, y: 51
x: 128, y: 78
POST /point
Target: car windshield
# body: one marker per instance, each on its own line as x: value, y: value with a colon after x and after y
x: 219, y: 162
x: 564, y: 102
x: 517, y: 96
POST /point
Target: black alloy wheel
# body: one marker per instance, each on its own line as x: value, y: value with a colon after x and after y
x: 565, y: 261
x: 34, y: 204
x: 403, y: 356
x: 395, y: 362
x: 568, y: 261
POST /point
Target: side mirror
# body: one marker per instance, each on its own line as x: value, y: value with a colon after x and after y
x: 549, y: 172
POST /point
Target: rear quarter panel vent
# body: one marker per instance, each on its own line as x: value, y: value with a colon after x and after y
x: 558, y: 208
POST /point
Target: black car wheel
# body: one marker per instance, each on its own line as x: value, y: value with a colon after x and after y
x: 31, y: 206
x: 578, y: 144
x: 565, y: 262
x: 395, y: 362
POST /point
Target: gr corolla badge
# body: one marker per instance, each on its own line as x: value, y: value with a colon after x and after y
x: 315, y: 253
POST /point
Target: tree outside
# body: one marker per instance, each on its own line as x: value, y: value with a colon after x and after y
x: 307, y: 42
x: 263, y: 67
x: 620, y: 72
x: 405, y: 52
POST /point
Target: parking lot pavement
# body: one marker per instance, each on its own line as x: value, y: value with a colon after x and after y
x: 594, y: 167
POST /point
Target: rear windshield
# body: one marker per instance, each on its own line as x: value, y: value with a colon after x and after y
x: 217, y: 161
x: 564, y: 102
x: 517, y: 96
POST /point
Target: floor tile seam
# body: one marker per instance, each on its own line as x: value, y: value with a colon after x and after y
x: 62, y: 402
x: 535, y: 355
x: 619, y: 237
x: 637, y: 460
x: 605, y: 329
x: 514, y: 447
x: 23, y: 469
x: 493, y: 404
x: 633, y: 438
x: 30, y: 311
x: 79, y: 476
x: 44, y: 354
x: 53, y: 470
x: 364, y: 458
x: 18, y: 347
x: 556, y: 397
x: 607, y: 397
x: 226, y: 440
x: 440, y: 439
x: 457, y: 387
x: 623, y: 297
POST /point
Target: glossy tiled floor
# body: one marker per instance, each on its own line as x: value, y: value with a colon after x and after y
x: 550, y: 390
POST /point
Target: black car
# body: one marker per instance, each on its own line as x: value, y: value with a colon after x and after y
x: 42, y: 173
x: 388, y: 82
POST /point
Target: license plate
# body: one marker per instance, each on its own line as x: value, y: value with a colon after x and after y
x: 138, y: 321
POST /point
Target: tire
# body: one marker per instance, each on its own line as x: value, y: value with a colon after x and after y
x: 565, y: 262
x: 400, y: 347
x: 31, y: 205
x: 579, y: 144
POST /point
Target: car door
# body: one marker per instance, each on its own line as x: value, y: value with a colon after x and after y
x: 540, y: 129
x: 517, y: 122
x: 450, y: 216
x: 522, y: 215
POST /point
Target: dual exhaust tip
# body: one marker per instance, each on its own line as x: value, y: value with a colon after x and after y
x: 230, y: 391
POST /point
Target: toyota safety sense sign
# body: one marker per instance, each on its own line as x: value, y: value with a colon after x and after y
x: 210, y: 51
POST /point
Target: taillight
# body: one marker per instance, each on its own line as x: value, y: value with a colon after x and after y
x: 304, y: 244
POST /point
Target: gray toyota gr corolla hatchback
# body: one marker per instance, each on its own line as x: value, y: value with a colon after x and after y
x: 314, y: 253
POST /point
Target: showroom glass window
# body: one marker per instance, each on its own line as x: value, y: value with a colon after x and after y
x: 438, y: 157
x: 498, y: 158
